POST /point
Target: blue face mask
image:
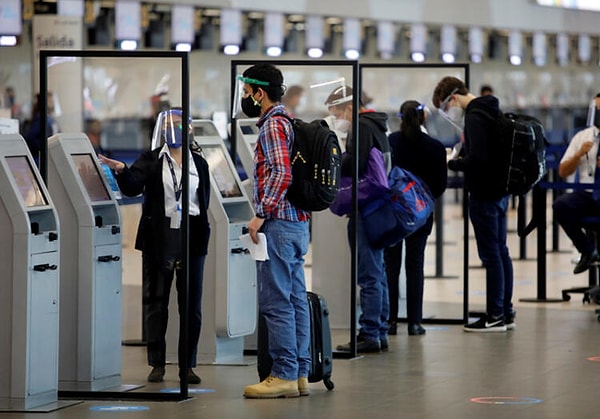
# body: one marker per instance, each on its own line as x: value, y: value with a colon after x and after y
x: 172, y: 135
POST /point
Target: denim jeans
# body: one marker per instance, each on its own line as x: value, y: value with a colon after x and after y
x: 282, y: 297
x: 372, y: 280
x: 489, y: 224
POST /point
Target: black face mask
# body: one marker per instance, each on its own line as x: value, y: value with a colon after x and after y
x: 251, y: 109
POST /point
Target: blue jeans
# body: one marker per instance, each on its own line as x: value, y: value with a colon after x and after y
x: 282, y: 297
x: 372, y: 280
x: 489, y: 224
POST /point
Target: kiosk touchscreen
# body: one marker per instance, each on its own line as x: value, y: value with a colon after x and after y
x: 29, y: 284
x: 90, y: 281
x: 247, y: 135
x: 229, y: 304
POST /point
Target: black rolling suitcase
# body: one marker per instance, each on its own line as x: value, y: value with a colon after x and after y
x: 320, y: 344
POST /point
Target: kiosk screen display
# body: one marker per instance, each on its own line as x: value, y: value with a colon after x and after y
x: 205, y: 130
x: 249, y: 129
x: 225, y: 178
x: 90, y: 176
x: 28, y: 185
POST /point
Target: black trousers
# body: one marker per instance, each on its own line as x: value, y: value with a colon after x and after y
x: 415, y: 278
x: 157, y: 280
x: 570, y: 209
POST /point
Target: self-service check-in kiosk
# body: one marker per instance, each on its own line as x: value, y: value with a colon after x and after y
x: 247, y: 136
x: 91, y: 271
x: 229, y: 303
x: 29, y: 284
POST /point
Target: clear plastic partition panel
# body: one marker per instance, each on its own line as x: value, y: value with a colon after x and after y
x: 114, y: 97
x: 384, y: 88
x: 114, y: 100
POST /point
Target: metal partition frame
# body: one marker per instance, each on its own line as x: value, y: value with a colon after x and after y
x: 235, y: 70
x: 452, y: 70
x: 185, y: 99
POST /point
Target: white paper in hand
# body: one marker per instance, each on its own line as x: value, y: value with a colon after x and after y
x: 257, y: 251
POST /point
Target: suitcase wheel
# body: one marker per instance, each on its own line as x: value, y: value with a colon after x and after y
x: 328, y: 384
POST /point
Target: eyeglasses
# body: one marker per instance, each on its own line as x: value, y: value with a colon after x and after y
x: 446, y: 102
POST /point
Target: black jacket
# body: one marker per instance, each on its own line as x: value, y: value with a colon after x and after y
x: 372, y: 128
x: 480, y: 163
x: 425, y: 157
x: 145, y: 176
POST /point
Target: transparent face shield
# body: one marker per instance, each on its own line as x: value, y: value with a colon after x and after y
x: 340, y: 96
x: 169, y: 129
x: 341, y: 93
x: 240, y: 93
x: 452, y: 114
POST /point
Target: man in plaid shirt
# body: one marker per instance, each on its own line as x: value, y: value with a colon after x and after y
x: 281, y: 286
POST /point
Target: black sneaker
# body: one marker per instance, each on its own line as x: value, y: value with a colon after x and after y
x: 509, y: 321
x: 586, y: 261
x: 486, y: 325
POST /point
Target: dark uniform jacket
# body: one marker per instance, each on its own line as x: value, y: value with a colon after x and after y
x: 145, y: 176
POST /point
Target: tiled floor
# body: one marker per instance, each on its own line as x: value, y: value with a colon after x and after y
x: 549, y: 367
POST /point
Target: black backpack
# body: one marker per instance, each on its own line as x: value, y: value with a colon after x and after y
x: 521, y: 149
x: 315, y: 158
x: 521, y: 146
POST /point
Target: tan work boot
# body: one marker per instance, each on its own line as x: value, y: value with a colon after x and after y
x: 303, y: 388
x: 271, y: 388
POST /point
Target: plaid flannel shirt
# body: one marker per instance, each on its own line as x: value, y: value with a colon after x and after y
x: 272, y: 169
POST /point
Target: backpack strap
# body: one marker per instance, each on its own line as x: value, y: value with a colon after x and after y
x: 524, y: 230
x: 286, y: 116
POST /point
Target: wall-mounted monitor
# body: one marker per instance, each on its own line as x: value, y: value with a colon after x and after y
x: 221, y: 171
x: 90, y: 176
x: 28, y: 184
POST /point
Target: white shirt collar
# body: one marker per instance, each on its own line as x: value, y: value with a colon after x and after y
x: 166, y: 151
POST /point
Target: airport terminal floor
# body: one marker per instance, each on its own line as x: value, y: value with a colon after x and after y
x: 548, y: 367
